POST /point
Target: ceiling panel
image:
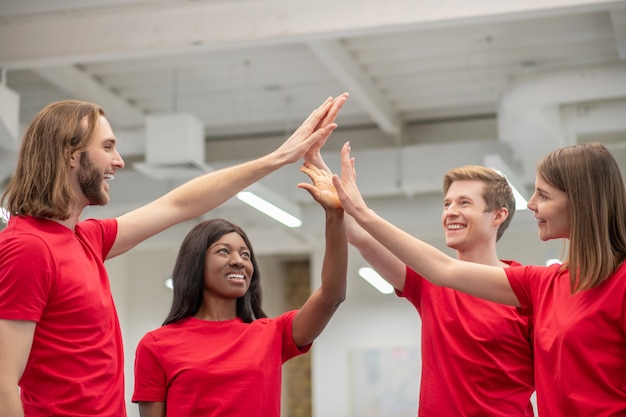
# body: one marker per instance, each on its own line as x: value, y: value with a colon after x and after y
x: 252, y: 80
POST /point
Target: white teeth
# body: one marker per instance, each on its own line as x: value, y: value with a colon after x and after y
x: 109, y: 177
x: 235, y: 276
x: 455, y: 226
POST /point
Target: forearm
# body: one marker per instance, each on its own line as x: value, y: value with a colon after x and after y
x: 188, y: 201
x: 423, y: 258
x: 392, y: 269
x: 335, y: 264
x: 322, y: 304
x: 484, y: 281
x: 207, y: 192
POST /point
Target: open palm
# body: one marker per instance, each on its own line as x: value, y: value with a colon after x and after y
x: 322, y: 189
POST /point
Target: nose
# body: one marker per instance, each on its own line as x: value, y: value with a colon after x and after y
x: 452, y: 209
x: 118, y: 162
x: 531, y: 205
x: 236, y: 260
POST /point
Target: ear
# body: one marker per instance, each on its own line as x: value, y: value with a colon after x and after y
x: 71, y: 157
x: 500, y: 215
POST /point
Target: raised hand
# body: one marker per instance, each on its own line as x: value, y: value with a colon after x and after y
x: 322, y: 189
x: 346, y: 188
x: 313, y: 155
x: 314, y: 131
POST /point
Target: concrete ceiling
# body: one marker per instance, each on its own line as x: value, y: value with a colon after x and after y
x: 433, y: 85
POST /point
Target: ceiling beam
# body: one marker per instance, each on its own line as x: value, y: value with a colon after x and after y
x: 362, y: 90
x: 156, y: 28
x: 80, y: 85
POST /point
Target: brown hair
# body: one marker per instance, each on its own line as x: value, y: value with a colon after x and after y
x: 497, y: 193
x: 41, y: 183
x: 592, y: 181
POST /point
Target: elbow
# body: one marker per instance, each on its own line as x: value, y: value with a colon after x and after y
x: 340, y: 300
x: 333, y: 302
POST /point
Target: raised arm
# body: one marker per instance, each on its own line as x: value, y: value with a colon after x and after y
x: 392, y: 269
x: 322, y: 304
x: 16, y: 339
x: 479, y: 280
x: 208, y: 191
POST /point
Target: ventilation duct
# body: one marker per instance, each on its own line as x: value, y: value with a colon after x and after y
x: 175, y: 147
x: 532, y: 116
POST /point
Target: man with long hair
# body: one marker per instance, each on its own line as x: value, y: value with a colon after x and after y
x: 60, y: 339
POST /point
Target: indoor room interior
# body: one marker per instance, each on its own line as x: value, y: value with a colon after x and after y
x: 193, y: 86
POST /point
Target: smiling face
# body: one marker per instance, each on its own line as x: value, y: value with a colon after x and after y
x: 551, y: 211
x: 98, y: 163
x: 228, y: 267
x: 465, y: 219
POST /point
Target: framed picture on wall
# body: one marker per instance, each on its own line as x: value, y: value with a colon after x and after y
x: 385, y: 381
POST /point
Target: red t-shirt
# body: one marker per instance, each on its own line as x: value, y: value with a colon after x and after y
x: 216, y: 369
x: 580, y: 341
x: 476, y: 355
x: 56, y: 277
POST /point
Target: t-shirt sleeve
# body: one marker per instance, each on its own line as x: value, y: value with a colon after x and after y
x: 290, y: 349
x: 518, y: 278
x: 412, y: 286
x: 101, y: 232
x: 26, y: 270
x: 150, y: 376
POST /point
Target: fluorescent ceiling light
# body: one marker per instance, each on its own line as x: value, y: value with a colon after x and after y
x: 520, y: 201
x: 371, y: 276
x: 169, y: 284
x: 495, y: 162
x: 269, y: 209
x: 553, y: 261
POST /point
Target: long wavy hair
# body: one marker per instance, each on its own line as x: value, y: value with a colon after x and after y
x: 188, y: 275
x: 593, y: 183
x: 41, y: 183
x: 497, y: 193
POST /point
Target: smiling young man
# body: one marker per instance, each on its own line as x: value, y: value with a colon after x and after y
x: 477, y: 358
x: 60, y: 339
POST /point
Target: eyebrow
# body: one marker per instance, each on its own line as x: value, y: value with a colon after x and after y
x: 460, y: 197
x: 228, y: 245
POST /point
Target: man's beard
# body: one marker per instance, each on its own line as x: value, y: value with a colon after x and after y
x: 90, y: 181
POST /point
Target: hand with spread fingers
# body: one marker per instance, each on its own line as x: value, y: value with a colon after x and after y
x: 322, y: 189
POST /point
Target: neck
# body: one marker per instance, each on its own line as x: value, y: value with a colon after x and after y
x: 217, y: 310
x: 70, y: 222
x: 481, y: 254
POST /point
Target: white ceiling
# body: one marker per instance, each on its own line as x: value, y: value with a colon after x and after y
x: 433, y: 84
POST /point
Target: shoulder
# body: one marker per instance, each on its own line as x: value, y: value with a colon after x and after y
x: 100, y: 226
x: 282, y: 321
x: 23, y: 244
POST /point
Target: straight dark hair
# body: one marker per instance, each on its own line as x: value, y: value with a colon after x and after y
x: 188, y: 275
